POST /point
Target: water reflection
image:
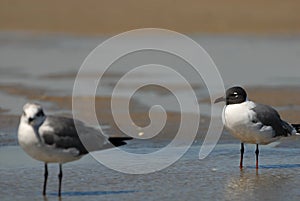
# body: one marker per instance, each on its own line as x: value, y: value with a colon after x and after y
x: 261, y: 184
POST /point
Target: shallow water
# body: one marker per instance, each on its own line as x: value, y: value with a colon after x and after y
x: 217, y: 177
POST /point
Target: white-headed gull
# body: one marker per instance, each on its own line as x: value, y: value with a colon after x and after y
x: 54, y: 139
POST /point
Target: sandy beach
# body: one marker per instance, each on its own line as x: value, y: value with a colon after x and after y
x: 111, y: 17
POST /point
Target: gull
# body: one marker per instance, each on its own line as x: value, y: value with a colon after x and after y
x: 252, y: 122
x: 54, y: 139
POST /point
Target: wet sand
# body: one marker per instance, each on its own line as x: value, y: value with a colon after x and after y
x: 217, y: 177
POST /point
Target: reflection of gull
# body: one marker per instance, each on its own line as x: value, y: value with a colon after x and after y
x: 251, y: 122
x: 248, y: 186
x: 53, y: 139
x: 243, y: 184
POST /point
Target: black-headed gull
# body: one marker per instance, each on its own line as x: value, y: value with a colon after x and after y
x: 251, y: 122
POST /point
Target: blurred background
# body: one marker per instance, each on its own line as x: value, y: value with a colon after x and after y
x: 93, y: 17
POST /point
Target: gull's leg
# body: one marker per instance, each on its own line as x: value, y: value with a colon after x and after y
x: 60, y: 175
x: 45, y: 178
x: 257, y: 153
x: 242, y: 155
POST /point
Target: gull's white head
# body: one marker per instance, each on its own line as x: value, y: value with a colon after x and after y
x: 33, y: 114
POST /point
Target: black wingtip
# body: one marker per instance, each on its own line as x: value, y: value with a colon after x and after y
x: 119, y: 141
x: 297, y: 127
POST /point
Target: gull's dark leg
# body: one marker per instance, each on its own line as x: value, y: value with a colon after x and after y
x: 257, y: 153
x: 242, y: 155
x: 60, y: 175
x: 45, y: 178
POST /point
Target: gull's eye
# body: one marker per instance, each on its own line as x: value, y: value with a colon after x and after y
x: 40, y: 113
x: 30, y: 119
x: 24, y: 114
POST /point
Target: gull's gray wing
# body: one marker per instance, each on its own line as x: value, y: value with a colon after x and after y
x: 62, y: 133
x: 269, y: 116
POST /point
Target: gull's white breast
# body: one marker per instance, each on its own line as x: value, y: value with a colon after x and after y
x: 241, y: 122
x: 38, y: 150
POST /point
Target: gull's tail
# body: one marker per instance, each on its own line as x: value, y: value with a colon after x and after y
x: 297, y: 128
x: 119, y: 141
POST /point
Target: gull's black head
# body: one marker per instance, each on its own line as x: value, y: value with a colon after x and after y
x: 234, y: 95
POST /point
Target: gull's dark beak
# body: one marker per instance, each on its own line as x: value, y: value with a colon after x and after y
x: 220, y: 99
